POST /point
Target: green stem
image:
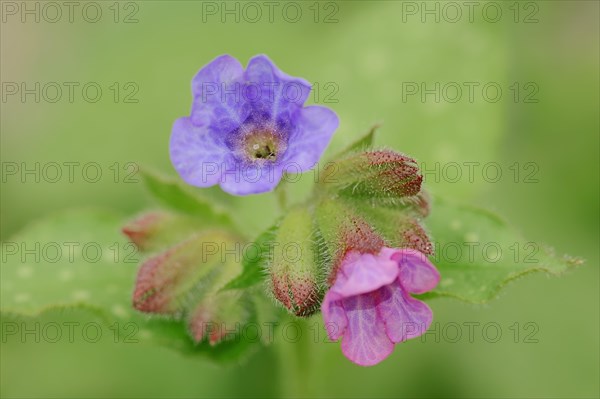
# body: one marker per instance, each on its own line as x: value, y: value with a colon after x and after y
x: 281, y: 193
x: 295, y: 357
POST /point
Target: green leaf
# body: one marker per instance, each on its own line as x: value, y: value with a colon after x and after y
x: 363, y: 143
x: 78, y: 261
x: 176, y: 196
x: 254, y: 261
x: 477, y: 253
x: 69, y: 259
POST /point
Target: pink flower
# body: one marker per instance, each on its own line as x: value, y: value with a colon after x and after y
x: 369, y: 305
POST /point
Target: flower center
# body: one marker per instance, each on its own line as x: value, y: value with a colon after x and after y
x: 262, y: 145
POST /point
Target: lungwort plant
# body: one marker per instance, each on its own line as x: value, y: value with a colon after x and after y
x: 360, y: 249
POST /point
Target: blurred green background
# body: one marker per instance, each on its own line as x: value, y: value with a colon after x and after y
x: 373, y: 50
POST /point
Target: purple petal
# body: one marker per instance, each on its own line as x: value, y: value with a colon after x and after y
x: 334, y: 316
x: 315, y: 126
x: 242, y: 179
x: 196, y: 153
x: 223, y: 69
x: 404, y: 317
x: 219, y: 102
x: 417, y: 274
x: 365, y: 341
x: 274, y: 93
x: 363, y: 273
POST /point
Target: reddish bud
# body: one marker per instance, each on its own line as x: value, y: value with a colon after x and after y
x: 218, y: 317
x: 174, y: 280
x: 141, y: 230
x: 344, y: 226
x: 413, y: 236
x: 342, y: 230
x: 154, y: 230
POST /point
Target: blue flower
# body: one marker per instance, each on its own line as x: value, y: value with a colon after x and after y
x: 248, y: 127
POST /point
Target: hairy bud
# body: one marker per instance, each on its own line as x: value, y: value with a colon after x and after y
x: 373, y: 174
x: 345, y: 226
x: 154, y: 230
x: 218, y: 317
x: 294, y: 268
x: 176, y: 279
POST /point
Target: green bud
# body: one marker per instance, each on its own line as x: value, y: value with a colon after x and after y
x: 343, y: 229
x: 294, y: 267
x: 354, y: 225
x: 154, y: 230
x: 176, y: 279
x: 372, y: 174
x: 218, y: 316
x: 400, y: 229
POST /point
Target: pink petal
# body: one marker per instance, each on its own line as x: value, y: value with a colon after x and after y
x: 365, y: 341
x: 364, y: 273
x: 417, y: 274
x: 334, y: 316
x: 404, y: 316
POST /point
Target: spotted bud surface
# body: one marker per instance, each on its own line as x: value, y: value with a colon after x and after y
x: 400, y: 229
x: 343, y: 229
x: 373, y: 174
